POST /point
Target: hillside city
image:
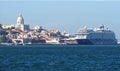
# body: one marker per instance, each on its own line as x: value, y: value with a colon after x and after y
x: 21, y: 33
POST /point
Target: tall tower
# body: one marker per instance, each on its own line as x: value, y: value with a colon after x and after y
x: 20, y: 20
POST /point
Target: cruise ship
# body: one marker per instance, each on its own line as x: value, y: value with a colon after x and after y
x: 96, y: 36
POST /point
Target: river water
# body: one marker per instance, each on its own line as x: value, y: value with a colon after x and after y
x: 60, y: 58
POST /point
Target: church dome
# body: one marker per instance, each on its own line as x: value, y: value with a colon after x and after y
x: 20, y: 20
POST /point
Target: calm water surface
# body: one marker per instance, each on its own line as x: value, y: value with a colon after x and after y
x: 59, y: 58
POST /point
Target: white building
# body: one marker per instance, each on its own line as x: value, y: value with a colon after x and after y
x: 20, y: 24
x: 37, y: 27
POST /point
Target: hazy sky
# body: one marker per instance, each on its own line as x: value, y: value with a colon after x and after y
x: 63, y: 15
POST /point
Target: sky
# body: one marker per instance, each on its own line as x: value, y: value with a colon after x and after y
x: 62, y: 15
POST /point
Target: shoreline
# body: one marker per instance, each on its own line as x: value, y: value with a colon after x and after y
x: 11, y: 44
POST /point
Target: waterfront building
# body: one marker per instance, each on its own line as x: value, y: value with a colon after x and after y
x: 21, y: 40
